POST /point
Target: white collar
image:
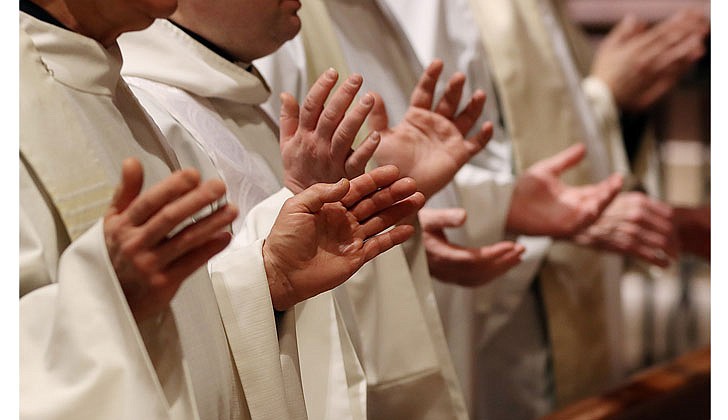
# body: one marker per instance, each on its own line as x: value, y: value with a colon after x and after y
x: 163, y: 53
x: 73, y: 59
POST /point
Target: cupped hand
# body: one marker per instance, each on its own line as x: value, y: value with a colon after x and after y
x: 150, y: 254
x: 469, y: 267
x: 543, y: 205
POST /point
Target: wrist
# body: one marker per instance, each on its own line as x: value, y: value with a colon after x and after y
x: 282, y: 293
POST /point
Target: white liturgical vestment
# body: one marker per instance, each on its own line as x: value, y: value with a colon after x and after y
x: 539, y: 60
x: 369, y: 41
x: 362, y: 37
x: 377, y: 323
x: 529, y: 85
x: 82, y: 353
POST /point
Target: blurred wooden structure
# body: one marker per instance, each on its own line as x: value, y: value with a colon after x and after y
x: 601, y: 13
x: 674, y: 391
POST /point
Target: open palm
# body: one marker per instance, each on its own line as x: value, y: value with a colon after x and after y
x: 542, y: 205
x: 326, y: 233
x: 430, y: 145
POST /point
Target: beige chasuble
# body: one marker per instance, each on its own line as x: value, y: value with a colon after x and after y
x: 82, y: 353
x: 370, y: 322
x: 542, y: 108
x: 402, y: 351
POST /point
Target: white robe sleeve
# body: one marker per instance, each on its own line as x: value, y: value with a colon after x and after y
x: 606, y: 114
x: 486, y: 196
x: 81, y: 352
x: 264, y: 350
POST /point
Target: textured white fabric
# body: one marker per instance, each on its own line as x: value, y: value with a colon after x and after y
x: 449, y: 29
x: 224, y: 99
x: 392, y: 71
x: 445, y: 29
x: 537, y: 60
x: 82, y: 353
x: 248, y: 175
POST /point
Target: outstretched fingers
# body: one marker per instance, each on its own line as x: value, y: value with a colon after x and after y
x: 603, y: 193
x: 593, y: 200
x: 334, y: 111
x: 345, y: 134
x: 448, y: 104
x: 370, y: 182
x: 385, y: 241
x: 357, y: 161
x: 314, y: 197
x: 563, y: 160
x: 423, y: 94
x: 384, y: 198
x: 288, y: 121
x: 478, y: 141
x: 378, y: 119
x: 469, y: 116
x: 391, y: 215
x: 313, y: 104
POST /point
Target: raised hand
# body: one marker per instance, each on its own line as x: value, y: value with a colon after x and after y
x: 468, y: 267
x: 634, y: 225
x: 542, y: 205
x: 327, y: 232
x: 430, y: 146
x: 151, y: 261
x: 641, y: 64
x: 316, y: 140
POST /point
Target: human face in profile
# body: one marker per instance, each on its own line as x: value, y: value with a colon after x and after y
x: 247, y: 29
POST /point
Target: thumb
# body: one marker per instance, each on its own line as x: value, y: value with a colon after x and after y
x: 289, y: 117
x: 563, y: 160
x: 378, y: 120
x: 610, y: 188
x: 438, y: 219
x: 315, y: 196
x: 132, y: 178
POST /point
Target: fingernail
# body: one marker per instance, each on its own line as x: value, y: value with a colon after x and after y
x: 355, y: 79
x: 375, y: 137
x: 331, y: 73
x: 367, y: 100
